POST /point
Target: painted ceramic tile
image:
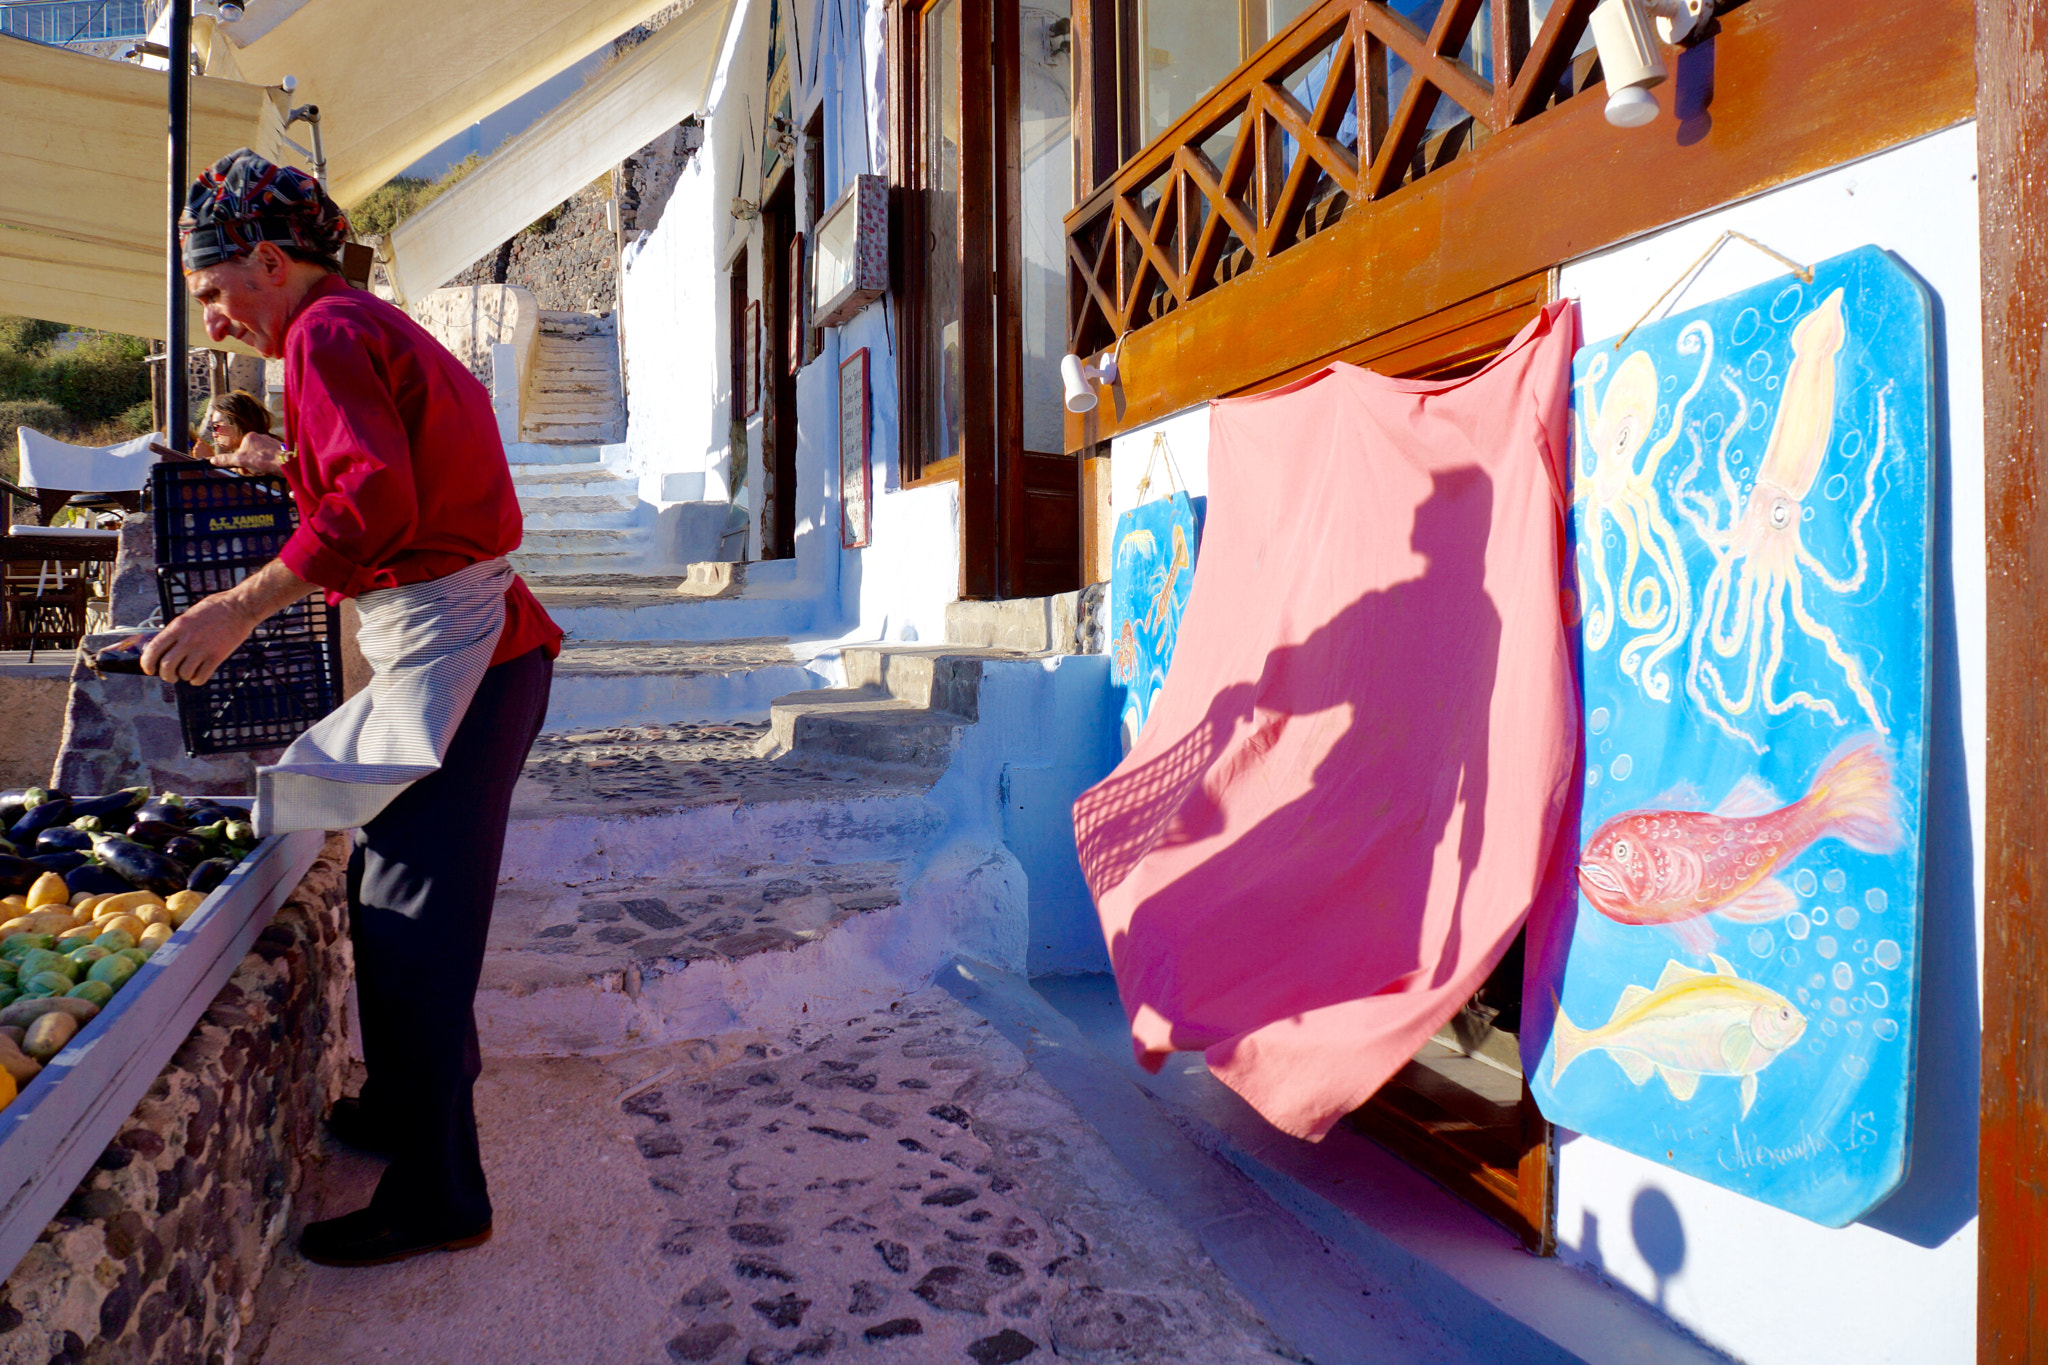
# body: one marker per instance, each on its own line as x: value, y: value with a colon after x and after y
x: 1152, y: 568
x: 1750, y: 522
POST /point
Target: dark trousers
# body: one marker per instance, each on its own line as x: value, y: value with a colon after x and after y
x: 422, y: 880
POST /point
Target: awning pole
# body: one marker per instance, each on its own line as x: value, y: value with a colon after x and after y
x: 178, y: 390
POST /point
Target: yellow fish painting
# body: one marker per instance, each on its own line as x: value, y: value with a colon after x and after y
x: 1692, y: 1024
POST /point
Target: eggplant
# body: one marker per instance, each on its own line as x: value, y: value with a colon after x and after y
x: 13, y: 804
x: 208, y: 875
x: 215, y: 833
x: 17, y: 875
x: 103, y: 806
x: 62, y: 862
x: 168, y: 809
x: 91, y: 824
x: 154, y: 833
x: 36, y: 796
x: 148, y: 869
x: 98, y: 879
x: 40, y: 818
x: 241, y: 832
x: 63, y: 839
x: 187, y: 851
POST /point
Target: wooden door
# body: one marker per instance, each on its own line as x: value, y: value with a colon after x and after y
x: 778, y: 377
x: 987, y: 161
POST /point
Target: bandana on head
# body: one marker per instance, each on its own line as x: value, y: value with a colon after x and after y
x: 242, y: 200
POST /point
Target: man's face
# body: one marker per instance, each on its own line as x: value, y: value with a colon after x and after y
x: 247, y: 298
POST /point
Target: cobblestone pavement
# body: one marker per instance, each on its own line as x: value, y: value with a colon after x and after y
x: 892, y: 1187
x: 662, y: 924
x: 617, y: 771
x: 678, y: 658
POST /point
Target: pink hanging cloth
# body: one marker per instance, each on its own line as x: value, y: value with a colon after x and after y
x: 1345, y: 802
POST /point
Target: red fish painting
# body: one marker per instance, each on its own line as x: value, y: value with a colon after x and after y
x: 1671, y: 867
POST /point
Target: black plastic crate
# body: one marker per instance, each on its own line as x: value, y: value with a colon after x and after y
x: 284, y: 677
x: 213, y: 529
x: 206, y: 515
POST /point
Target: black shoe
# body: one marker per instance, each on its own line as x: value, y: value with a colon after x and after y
x: 366, y: 1237
x: 353, y: 1126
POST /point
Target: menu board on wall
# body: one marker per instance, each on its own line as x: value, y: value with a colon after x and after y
x: 855, y: 482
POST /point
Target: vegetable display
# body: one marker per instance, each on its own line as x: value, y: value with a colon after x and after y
x: 89, y: 888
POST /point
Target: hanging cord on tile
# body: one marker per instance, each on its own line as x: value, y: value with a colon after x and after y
x: 1804, y: 272
x: 1160, y: 446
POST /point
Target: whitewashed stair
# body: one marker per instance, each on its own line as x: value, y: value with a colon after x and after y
x: 573, y: 395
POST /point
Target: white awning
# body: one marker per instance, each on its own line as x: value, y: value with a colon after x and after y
x: 84, y: 211
x: 651, y: 89
x: 394, y: 79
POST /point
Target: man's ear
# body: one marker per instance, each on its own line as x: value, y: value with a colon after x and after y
x: 271, y: 262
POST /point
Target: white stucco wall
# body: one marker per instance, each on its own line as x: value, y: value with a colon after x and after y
x: 1900, y: 1286
x: 677, y: 317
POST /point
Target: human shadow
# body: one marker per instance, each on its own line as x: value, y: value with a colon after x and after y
x: 1389, y: 701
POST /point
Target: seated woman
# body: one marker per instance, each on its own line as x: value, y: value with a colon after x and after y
x: 237, y: 435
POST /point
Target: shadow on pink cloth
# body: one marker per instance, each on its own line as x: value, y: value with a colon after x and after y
x: 1344, y: 805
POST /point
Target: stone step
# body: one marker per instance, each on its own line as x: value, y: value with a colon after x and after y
x: 612, y: 602
x: 567, y: 540
x: 943, y: 677
x: 585, y: 478
x: 570, y: 434
x: 865, y: 727
x: 524, y: 455
x: 629, y: 682
x: 594, y: 513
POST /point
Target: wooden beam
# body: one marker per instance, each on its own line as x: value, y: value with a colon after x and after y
x: 2012, y: 1176
x: 1797, y: 86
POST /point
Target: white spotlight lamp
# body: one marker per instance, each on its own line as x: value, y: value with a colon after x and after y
x: 1630, y: 57
x: 1080, y: 379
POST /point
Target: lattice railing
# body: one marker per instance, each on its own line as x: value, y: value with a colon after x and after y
x: 1346, y: 106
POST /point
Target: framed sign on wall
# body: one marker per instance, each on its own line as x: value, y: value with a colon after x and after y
x: 855, y: 483
x: 750, y: 397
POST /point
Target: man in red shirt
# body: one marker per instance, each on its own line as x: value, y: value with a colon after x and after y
x: 402, y: 489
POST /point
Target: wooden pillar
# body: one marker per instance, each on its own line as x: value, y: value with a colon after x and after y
x: 2012, y: 1189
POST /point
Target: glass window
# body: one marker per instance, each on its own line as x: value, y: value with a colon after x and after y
x: 942, y: 243
x: 1045, y: 190
x: 1184, y: 49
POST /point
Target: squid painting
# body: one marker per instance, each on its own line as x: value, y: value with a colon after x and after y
x: 1646, y: 594
x: 1764, y: 576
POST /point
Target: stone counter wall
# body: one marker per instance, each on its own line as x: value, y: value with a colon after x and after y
x: 158, y: 1255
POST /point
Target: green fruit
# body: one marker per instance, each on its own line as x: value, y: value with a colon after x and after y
x: 114, y: 970
x: 47, y: 960
x: 48, y: 983
x: 14, y: 948
x: 136, y: 955
x: 8, y: 996
x: 89, y: 954
x: 99, y: 992
x: 7, y: 972
x: 114, y: 940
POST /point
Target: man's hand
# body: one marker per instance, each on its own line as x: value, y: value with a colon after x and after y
x: 190, y: 648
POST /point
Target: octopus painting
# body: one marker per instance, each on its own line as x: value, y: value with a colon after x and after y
x: 1649, y: 598
x: 1759, y: 584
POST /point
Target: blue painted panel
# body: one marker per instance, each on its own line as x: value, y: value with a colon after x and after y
x: 1151, y: 569
x: 1737, y: 995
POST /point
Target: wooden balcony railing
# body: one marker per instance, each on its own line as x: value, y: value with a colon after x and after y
x: 1351, y: 102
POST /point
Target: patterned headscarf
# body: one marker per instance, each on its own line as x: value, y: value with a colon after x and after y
x: 242, y: 200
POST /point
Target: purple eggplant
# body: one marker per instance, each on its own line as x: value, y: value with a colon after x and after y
x: 148, y: 869
x: 97, y: 878
x: 63, y: 839
x: 169, y: 810
x: 154, y: 833
x: 209, y: 874
x: 187, y: 851
x: 17, y: 875
x: 40, y: 817
x: 63, y: 862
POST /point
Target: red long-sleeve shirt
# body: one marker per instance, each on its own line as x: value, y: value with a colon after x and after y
x: 400, y: 476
